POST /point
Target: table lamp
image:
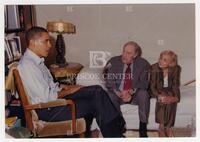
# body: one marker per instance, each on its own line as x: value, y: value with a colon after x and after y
x: 61, y: 27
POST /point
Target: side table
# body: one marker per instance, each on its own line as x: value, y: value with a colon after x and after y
x: 67, y: 74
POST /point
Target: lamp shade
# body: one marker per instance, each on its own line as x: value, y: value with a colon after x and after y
x: 61, y: 27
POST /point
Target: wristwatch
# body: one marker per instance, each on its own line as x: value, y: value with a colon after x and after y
x: 133, y: 91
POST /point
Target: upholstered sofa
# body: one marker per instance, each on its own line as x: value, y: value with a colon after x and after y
x: 186, y: 111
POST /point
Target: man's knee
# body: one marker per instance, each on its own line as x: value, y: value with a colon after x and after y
x: 97, y: 87
x: 143, y: 94
x: 143, y: 97
x: 98, y: 92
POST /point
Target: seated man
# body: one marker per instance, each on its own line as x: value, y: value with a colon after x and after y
x: 127, y: 82
x: 90, y: 101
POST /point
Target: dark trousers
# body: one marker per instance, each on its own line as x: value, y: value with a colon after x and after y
x: 140, y: 98
x: 91, y: 102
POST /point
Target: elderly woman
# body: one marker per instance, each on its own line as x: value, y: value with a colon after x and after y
x: 164, y: 85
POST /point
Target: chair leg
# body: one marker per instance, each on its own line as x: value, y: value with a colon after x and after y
x: 82, y: 135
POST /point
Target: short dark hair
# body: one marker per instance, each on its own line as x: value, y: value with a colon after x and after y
x: 34, y: 33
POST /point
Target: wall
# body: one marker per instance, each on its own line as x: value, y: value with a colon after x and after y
x: 156, y: 27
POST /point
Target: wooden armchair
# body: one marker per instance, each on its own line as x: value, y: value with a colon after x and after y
x: 45, y: 129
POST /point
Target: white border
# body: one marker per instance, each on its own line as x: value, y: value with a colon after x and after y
x: 197, y: 12
x: 95, y: 1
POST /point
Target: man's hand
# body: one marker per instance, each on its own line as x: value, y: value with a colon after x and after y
x: 68, y: 89
x: 125, y: 95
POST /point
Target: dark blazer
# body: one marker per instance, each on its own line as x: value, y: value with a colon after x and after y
x: 156, y: 80
x: 165, y: 113
x: 115, y: 68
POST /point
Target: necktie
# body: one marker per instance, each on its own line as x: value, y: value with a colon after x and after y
x: 128, y: 78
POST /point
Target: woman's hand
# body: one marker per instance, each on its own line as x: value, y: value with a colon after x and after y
x: 169, y: 100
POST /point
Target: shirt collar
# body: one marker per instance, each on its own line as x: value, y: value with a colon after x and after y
x: 30, y: 54
x: 126, y: 65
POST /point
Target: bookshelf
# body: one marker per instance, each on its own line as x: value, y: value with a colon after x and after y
x: 18, y: 19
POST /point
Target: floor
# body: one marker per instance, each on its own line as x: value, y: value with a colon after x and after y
x: 179, y: 132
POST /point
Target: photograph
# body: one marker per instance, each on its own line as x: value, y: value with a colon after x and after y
x: 119, y: 70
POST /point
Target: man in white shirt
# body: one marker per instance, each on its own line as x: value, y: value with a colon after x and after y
x: 90, y: 101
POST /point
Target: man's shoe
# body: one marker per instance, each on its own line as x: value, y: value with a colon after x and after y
x: 121, y: 124
x: 113, y: 129
x: 143, y: 129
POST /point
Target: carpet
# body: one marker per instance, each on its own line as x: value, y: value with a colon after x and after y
x: 178, y: 132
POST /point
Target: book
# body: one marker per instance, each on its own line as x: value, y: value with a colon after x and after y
x: 5, y: 16
x: 8, y: 51
x: 10, y: 121
x: 12, y: 48
x: 15, y: 47
x: 15, y: 102
x: 21, y: 16
x: 13, y: 21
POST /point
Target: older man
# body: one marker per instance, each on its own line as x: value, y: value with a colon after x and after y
x: 127, y: 82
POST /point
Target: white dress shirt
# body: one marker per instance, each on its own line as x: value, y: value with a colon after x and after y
x: 36, y: 78
x: 165, y: 81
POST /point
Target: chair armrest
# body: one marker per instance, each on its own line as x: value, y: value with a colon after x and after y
x: 58, y: 102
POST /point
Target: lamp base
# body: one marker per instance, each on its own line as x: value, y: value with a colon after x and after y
x: 60, y: 48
